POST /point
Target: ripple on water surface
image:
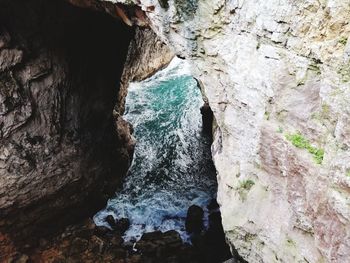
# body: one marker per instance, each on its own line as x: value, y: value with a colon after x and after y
x: 172, y: 167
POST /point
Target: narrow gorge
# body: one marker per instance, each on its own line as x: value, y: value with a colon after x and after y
x: 275, y: 75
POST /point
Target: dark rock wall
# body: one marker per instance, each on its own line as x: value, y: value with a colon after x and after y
x: 60, y: 152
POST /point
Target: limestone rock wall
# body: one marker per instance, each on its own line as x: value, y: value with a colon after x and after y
x: 61, y: 153
x: 147, y: 54
x: 276, y: 73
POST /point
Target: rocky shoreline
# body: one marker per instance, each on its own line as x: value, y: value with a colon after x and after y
x: 87, y: 242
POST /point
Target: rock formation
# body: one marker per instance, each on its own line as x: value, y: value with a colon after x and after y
x: 146, y: 55
x: 61, y: 155
x: 276, y: 75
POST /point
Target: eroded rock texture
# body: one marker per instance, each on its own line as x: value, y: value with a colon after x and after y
x: 146, y: 55
x: 61, y: 153
x: 276, y: 74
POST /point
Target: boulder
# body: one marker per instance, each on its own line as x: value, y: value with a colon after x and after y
x: 194, y: 220
x: 122, y: 225
x: 111, y: 221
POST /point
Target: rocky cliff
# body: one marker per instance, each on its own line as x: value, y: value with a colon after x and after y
x: 277, y: 75
x: 61, y: 154
x: 147, y: 54
x: 63, y: 149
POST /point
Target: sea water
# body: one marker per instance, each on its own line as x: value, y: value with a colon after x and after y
x: 172, y: 167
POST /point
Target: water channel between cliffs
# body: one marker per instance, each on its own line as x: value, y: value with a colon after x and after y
x: 172, y: 167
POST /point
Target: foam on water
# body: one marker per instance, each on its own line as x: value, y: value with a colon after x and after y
x: 172, y: 166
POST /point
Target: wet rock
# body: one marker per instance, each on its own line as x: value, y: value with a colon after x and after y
x: 90, y: 224
x: 134, y: 259
x: 128, y: 245
x: 102, y: 230
x: 43, y: 242
x: 111, y: 221
x: 194, y: 220
x: 78, y: 246
x: 116, y: 240
x: 213, y: 205
x: 96, y: 245
x: 207, y: 118
x: 4, y: 38
x: 215, y: 238
x: 158, y: 244
x: 164, y: 3
x: 19, y: 258
x: 122, y: 225
x: 84, y: 233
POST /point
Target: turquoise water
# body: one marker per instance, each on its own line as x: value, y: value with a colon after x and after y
x: 172, y: 167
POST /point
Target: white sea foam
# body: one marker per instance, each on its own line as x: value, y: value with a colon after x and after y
x: 170, y: 170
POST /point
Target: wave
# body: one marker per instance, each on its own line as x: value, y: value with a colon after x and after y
x: 172, y: 168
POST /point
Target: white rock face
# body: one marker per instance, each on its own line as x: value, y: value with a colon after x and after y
x: 274, y: 69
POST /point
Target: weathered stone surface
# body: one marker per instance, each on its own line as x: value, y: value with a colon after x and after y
x: 147, y: 54
x: 271, y: 70
x: 164, y: 247
x: 9, y: 58
x: 62, y: 151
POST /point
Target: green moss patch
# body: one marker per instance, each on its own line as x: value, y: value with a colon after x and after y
x: 344, y: 72
x: 300, y: 142
x: 315, y: 66
x: 246, y: 184
x: 244, y: 188
x: 343, y: 40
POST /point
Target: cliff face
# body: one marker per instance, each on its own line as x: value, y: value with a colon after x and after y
x: 276, y: 74
x: 147, y: 54
x: 61, y: 154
